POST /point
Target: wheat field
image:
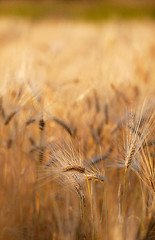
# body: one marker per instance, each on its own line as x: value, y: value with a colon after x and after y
x: 77, y: 128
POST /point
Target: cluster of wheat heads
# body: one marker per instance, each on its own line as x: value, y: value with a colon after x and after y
x: 84, y: 172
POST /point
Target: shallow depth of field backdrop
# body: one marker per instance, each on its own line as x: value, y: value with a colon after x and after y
x: 77, y: 124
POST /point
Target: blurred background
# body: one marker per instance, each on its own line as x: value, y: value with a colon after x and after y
x: 78, y: 9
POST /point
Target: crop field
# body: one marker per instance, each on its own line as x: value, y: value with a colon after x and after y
x: 77, y: 129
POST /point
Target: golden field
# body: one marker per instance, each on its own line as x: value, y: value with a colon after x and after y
x: 77, y: 156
